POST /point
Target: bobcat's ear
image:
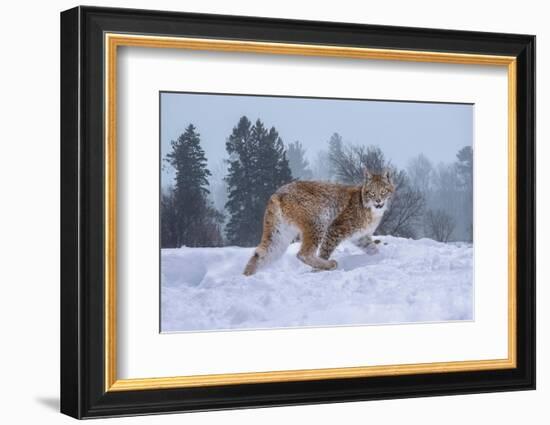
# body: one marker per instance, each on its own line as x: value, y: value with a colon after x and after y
x: 367, y: 174
x: 387, y: 175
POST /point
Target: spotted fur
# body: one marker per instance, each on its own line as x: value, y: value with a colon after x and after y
x: 323, y: 215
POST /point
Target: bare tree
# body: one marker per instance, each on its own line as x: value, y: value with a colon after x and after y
x: 440, y: 225
x: 213, y: 228
x: 446, y: 179
x: 321, y: 166
x: 406, y: 208
x: 406, y: 211
x: 420, y: 171
x: 349, y: 162
x: 218, y: 186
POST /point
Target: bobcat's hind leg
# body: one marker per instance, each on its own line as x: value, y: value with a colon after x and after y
x: 276, y: 236
x: 252, y: 265
x: 308, y: 251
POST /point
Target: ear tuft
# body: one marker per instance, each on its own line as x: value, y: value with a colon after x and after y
x: 367, y: 174
x: 387, y: 175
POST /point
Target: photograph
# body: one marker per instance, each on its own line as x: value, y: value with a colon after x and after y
x: 295, y: 212
x: 287, y: 210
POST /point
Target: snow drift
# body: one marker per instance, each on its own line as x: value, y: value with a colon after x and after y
x: 406, y: 281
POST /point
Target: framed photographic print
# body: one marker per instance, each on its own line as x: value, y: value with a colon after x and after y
x: 261, y: 212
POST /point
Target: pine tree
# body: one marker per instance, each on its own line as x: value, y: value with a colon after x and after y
x: 257, y: 168
x: 321, y: 166
x: 335, y: 154
x: 272, y: 171
x: 465, y: 170
x: 240, y: 182
x: 272, y: 167
x: 168, y: 219
x: 284, y: 173
x: 195, y: 219
x: 465, y: 165
x: 297, y: 161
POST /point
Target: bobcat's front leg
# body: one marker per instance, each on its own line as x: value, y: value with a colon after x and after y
x: 336, y: 233
x: 310, y: 242
x: 366, y: 244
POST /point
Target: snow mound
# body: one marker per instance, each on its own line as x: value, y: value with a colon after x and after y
x: 406, y: 281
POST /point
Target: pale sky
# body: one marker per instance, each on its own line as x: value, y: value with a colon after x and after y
x: 401, y: 129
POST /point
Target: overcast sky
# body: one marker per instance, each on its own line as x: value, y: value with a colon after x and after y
x: 401, y: 129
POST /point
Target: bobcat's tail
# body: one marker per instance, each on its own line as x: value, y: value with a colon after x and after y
x: 277, y: 235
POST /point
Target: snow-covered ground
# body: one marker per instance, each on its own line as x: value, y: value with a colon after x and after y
x: 406, y: 281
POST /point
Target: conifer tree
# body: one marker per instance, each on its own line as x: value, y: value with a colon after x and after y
x: 297, y: 161
x: 257, y: 168
x: 196, y: 222
x: 465, y: 170
x: 168, y: 219
x: 335, y: 155
x: 240, y: 182
x: 272, y: 168
x: 465, y: 166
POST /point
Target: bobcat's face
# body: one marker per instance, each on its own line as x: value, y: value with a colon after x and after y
x: 377, y: 190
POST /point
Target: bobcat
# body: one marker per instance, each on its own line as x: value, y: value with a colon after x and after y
x: 323, y: 215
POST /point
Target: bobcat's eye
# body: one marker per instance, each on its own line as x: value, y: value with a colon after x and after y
x: 371, y: 194
x: 383, y: 192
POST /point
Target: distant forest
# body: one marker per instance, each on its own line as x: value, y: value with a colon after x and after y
x: 225, y: 206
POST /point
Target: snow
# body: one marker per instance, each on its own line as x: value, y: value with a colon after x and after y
x: 406, y: 281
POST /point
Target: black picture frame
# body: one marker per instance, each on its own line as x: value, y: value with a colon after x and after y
x: 83, y: 392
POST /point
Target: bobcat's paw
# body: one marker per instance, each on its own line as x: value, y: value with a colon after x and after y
x: 371, y: 249
x: 332, y: 264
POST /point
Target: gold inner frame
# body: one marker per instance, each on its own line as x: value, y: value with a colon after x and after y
x: 113, y: 41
